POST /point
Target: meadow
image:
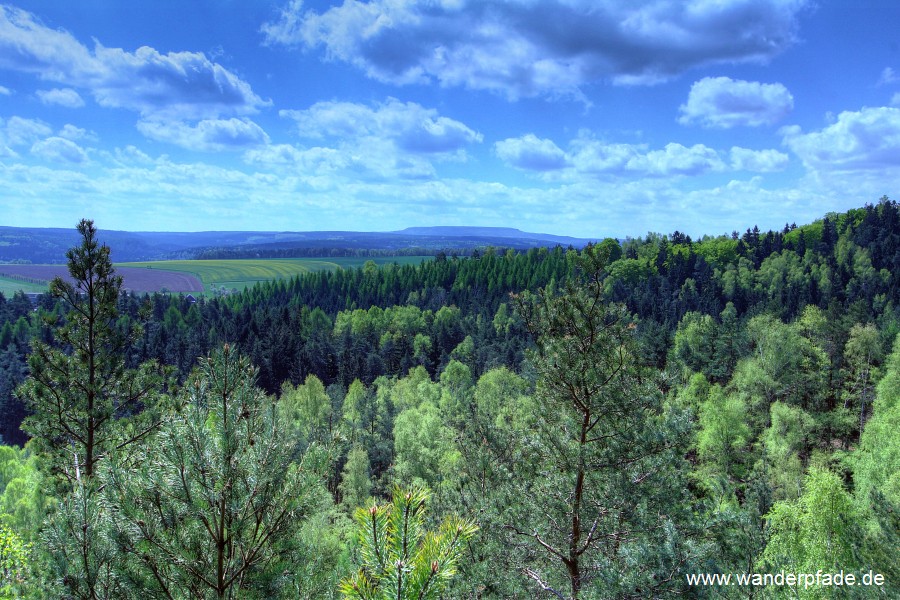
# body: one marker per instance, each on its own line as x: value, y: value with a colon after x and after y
x: 244, y: 273
x: 194, y: 276
x: 9, y: 286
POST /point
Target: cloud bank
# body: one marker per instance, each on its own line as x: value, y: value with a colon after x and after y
x: 184, y: 85
x: 524, y: 48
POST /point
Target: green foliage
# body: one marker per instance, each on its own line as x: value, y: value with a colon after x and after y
x: 81, y: 400
x: 23, y: 499
x: 356, y: 481
x: 14, y: 565
x: 786, y: 442
x: 723, y: 433
x: 306, y: 410
x: 600, y: 465
x: 863, y: 354
x: 211, y: 509
x: 876, y: 464
x: 822, y: 530
x: 399, y: 559
x: 423, y: 446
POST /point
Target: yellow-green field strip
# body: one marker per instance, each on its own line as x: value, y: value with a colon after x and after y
x: 243, y: 273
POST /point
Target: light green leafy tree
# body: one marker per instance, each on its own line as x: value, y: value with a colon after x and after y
x: 823, y: 530
x: 356, y: 479
x: 863, y: 355
x: 307, y: 411
x: 724, y: 432
x: 14, y: 565
x: 876, y: 464
x: 399, y: 559
x: 785, y: 442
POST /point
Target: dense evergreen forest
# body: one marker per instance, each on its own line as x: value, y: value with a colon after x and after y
x: 606, y: 422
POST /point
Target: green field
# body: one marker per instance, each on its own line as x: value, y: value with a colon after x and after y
x: 240, y: 274
x: 9, y: 286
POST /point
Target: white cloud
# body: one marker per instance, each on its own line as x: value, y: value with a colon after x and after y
x: 58, y: 149
x: 868, y: 139
x: 391, y: 139
x: 412, y: 127
x: 5, y: 91
x: 722, y: 102
x: 760, y: 161
x: 311, y: 160
x: 507, y: 47
x: 66, y: 97
x: 676, y: 159
x: 588, y: 157
x: 888, y: 76
x: 18, y: 131
x: 183, y: 84
x: 895, y: 99
x: 207, y: 135
x: 531, y: 153
x: 70, y: 132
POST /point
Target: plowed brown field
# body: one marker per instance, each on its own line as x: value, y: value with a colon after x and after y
x: 135, y: 279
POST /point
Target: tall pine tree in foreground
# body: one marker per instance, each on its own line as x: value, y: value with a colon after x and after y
x: 215, y: 506
x: 603, y: 510
x: 85, y: 404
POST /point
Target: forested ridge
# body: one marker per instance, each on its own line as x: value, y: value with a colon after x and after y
x: 558, y: 423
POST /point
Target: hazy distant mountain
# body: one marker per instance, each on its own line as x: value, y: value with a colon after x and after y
x: 49, y: 245
x: 493, y: 232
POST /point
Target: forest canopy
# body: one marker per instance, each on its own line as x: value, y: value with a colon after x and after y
x: 605, y: 422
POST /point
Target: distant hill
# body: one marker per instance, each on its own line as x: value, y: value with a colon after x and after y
x: 494, y: 233
x: 48, y: 245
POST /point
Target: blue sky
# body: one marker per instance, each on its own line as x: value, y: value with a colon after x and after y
x: 574, y: 117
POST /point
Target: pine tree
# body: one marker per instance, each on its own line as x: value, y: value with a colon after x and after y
x: 602, y: 509
x: 400, y: 560
x: 220, y: 495
x: 84, y: 403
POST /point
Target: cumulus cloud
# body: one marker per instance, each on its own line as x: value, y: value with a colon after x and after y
x: 676, y: 159
x: 722, y: 102
x: 531, y: 153
x: 315, y: 160
x: 591, y: 157
x: 507, y: 47
x: 18, y: 131
x: 390, y: 139
x: 868, y: 139
x: 184, y: 84
x: 5, y: 91
x: 60, y: 150
x: 411, y: 126
x: 207, y: 135
x: 66, y: 97
x: 71, y: 132
x: 760, y: 161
